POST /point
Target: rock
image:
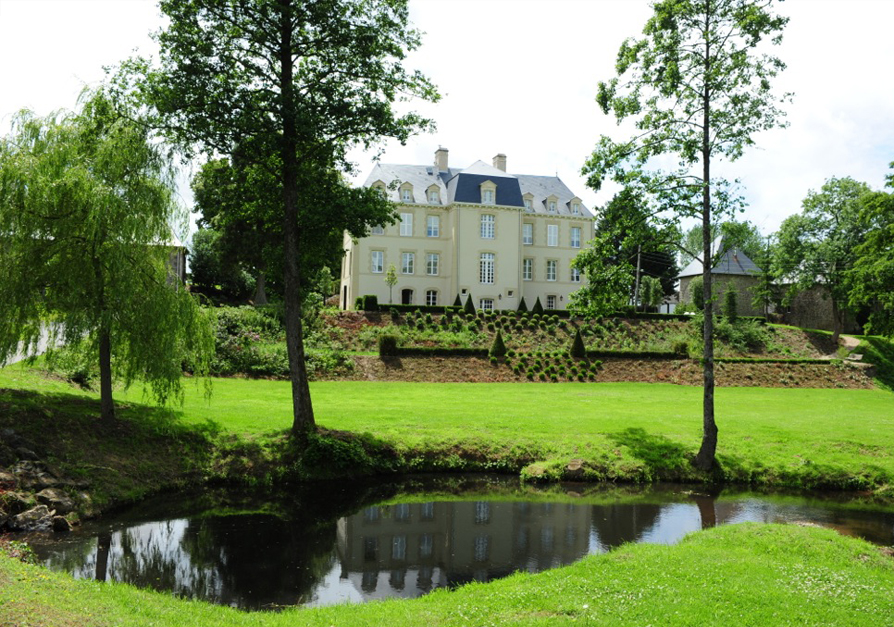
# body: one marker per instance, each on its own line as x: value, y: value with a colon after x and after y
x: 56, y: 499
x: 61, y: 525
x: 37, y: 518
x: 27, y: 453
x: 7, y: 479
x: 16, y: 503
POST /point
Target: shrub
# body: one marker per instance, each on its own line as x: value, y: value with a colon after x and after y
x: 521, y: 304
x: 387, y: 345
x: 458, y: 302
x: 499, y: 347
x: 537, y: 308
x: 730, y: 304
x: 469, y: 307
x: 697, y: 293
x: 358, y: 303
x: 370, y: 302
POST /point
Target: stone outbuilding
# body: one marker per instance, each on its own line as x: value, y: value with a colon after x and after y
x: 733, y: 268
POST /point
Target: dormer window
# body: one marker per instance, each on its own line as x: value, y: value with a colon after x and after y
x: 488, y: 193
x: 406, y: 193
x: 551, y: 206
x: 529, y: 203
x: 379, y: 186
x: 434, y: 198
x: 575, y: 208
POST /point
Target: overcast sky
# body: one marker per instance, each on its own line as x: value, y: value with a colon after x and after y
x: 520, y: 77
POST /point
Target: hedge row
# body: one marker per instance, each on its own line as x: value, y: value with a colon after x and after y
x: 746, y: 360
x: 637, y: 354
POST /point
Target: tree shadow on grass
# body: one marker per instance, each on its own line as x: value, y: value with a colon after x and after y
x: 666, y: 458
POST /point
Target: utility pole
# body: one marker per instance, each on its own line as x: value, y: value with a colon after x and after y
x: 636, y: 287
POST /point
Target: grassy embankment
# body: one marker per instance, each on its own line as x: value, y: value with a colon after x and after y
x: 841, y: 439
x: 735, y: 575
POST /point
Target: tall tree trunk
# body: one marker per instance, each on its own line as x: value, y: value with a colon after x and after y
x: 302, y: 409
x: 705, y: 457
x: 107, y: 404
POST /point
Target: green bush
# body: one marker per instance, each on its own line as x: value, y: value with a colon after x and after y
x: 730, y: 304
x: 522, y: 306
x: 499, y: 347
x: 370, y: 302
x: 469, y: 307
x: 537, y: 309
x: 387, y: 345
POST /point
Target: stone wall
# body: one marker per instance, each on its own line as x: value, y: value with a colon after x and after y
x: 742, y: 284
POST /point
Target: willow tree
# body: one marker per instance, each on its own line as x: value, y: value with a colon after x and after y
x: 87, y: 205
x: 697, y: 88
x: 293, y: 84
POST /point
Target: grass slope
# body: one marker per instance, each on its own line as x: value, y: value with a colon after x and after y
x: 735, y: 575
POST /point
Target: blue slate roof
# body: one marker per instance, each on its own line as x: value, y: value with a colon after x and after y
x: 732, y: 261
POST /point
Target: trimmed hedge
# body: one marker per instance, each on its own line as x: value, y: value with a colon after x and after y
x: 637, y: 354
x: 746, y: 360
x: 438, y: 351
x: 433, y: 309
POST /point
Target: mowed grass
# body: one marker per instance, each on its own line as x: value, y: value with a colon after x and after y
x: 792, y: 437
x: 747, y: 574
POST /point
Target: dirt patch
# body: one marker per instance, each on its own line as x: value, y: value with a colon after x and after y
x: 679, y: 372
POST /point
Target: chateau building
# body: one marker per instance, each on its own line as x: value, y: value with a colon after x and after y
x: 477, y: 231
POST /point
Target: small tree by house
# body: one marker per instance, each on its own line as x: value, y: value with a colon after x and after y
x: 469, y: 307
x: 731, y: 304
x: 391, y: 281
x: 458, y: 302
x: 498, y: 348
x: 522, y: 305
x: 578, y: 350
x: 538, y: 307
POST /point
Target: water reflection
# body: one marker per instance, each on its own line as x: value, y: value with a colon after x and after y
x: 320, y: 549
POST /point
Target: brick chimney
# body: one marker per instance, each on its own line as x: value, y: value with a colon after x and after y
x: 500, y: 162
x: 441, y: 159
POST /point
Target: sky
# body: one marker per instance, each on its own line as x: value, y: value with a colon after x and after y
x: 519, y: 77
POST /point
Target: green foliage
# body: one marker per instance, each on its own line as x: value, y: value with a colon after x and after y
x: 211, y: 273
x: 370, y: 302
x: 578, y: 350
x: 731, y: 304
x: 86, y: 210
x: 498, y: 349
x: 458, y: 302
x: 650, y: 292
x: 697, y: 293
x: 387, y: 345
x: 469, y: 307
x: 522, y: 306
x: 537, y: 308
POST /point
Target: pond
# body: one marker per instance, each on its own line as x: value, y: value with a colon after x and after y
x: 359, y: 542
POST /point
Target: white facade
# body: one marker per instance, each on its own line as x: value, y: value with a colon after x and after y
x: 478, y: 231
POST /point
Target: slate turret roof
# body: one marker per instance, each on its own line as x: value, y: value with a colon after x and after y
x: 732, y: 261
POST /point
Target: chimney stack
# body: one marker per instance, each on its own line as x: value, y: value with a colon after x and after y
x: 500, y: 162
x: 441, y: 159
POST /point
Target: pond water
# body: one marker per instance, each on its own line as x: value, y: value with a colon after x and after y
x: 355, y: 543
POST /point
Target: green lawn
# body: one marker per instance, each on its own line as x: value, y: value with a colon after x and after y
x: 734, y: 575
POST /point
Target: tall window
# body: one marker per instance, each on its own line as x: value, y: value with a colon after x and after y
x: 487, y: 226
x: 431, y: 297
x: 529, y: 205
x: 527, y: 233
x: 406, y: 224
x: 432, y: 264
x: 408, y: 262
x: 486, y: 304
x: 433, y: 226
x: 552, y: 234
x: 552, y: 206
x: 575, y: 237
x: 487, y: 196
x: 377, y: 230
x: 527, y: 269
x: 378, y: 261
x: 550, y: 301
x: 551, y: 269
x: 575, y: 208
x: 406, y: 195
x: 486, y: 267
x: 575, y: 275
x: 433, y: 197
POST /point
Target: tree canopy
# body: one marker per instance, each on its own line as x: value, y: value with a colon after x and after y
x: 817, y: 247
x: 293, y: 85
x: 697, y: 86
x: 86, y: 212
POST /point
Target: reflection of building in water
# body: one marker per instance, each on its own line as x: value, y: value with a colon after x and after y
x: 410, y: 549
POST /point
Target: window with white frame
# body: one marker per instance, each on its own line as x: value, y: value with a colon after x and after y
x: 552, y: 234
x: 529, y: 205
x: 486, y: 304
x: 378, y: 261
x: 377, y: 230
x: 433, y: 226
x: 486, y: 268
x: 487, y: 196
x: 406, y: 224
x: 551, y: 206
x: 434, y: 197
x: 550, y: 301
x: 487, y: 226
x: 527, y: 234
x: 575, y: 275
x: 406, y: 194
x: 431, y: 297
x: 432, y: 264
x: 575, y: 208
x: 575, y: 237
x: 482, y: 512
x: 407, y: 263
x: 527, y: 269
x: 551, y: 269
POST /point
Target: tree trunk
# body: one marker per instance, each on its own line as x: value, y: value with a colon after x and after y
x: 260, y: 291
x: 837, y: 321
x: 705, y: 460
x: 107, y: 404
x: 302, y: 409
